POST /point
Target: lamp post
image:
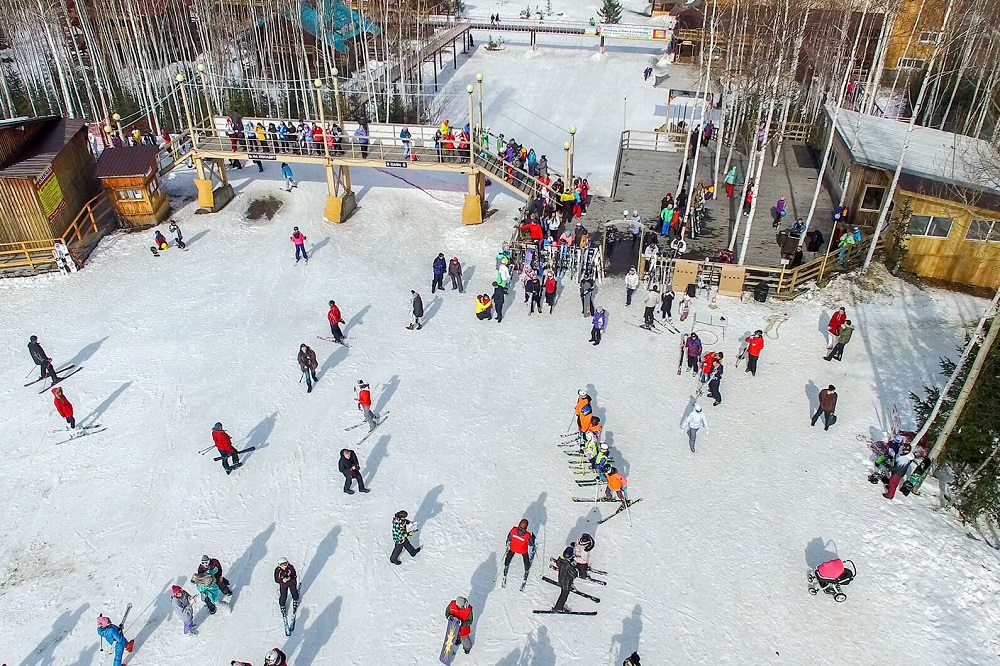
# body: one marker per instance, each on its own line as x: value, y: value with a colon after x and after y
x: 566, y: 148
x: 336, y: 97
x: 318, y: 83
x: 108, y: 131
x: 187, y: 110
x: 204, y: 88
x: 572, y: 150
x: 479, y: 82
x: 118, y: 121
x: 471, y: 89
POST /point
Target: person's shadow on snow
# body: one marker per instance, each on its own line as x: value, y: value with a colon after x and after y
x: 357, y: 319
x: 817, y: 553
x: 432, y: 309
x: 430, y: 507
x: 812, y: 393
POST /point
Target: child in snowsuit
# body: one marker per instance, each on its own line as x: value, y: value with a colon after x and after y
x: 115, y: 638
x: 184, y: 606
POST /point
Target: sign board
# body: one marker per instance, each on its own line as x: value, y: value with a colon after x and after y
x: 616, y: 31
x: 395, y: 164
x: 50, y: 195
x: 262, y: 156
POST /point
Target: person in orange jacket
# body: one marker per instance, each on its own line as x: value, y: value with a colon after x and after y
x: 617, y: 486
x: 596, y: 427
x: 755, y: 344
x: 582, y: 400
x: 64, y: 407
x: 584, y: 419
x: 461, y: 610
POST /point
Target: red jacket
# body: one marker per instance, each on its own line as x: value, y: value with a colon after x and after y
x: 706, y: 363
x: 534, y: 230
x: 63, y: 405
x: 463, y: 615
x: 222, y: 441
x: 334, y: 315
x: 518, y: 543
x: 550, y: 285
x: 365, y: 397
x: 755, y: 345
x: 836, y: 321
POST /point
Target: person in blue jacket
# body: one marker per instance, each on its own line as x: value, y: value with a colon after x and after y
x: 440, y: 267
x: 600, y: 322
x: 112, y: 633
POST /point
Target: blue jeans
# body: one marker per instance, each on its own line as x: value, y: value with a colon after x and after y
x: 301, y: 249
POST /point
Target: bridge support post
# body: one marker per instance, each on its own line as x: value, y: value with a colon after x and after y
x: 602, y: 43
x: 339, y: 206
x: 211, y: 199
x: 475, y: 200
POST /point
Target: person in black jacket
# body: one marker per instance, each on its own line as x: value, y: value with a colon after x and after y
x: 567, y: 574
x: 308, y: 365
x: 498, y: 296
x: 41, y: 359
x: 288, y: 583
x: 351, y: 469
x: 418, y: 311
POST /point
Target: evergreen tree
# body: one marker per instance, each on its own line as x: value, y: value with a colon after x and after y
x: 611, y: 11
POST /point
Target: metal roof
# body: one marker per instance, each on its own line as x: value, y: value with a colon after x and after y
x: 51, y: 139
x: 943, y: 157
x: 126, y: 162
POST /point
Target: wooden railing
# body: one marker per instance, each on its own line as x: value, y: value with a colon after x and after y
x: 664, y: 142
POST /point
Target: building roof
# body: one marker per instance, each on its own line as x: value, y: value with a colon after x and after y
x: 941, y: 157
x: 126, y: 162
x: 51, y: 139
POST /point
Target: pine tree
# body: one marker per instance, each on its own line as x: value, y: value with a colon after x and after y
x: 611, y: 11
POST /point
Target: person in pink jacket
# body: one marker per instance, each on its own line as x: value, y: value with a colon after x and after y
x: 299, y: 240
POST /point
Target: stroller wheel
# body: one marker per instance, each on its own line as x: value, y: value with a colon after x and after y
x: 813, y: 591
x: 839, y: 596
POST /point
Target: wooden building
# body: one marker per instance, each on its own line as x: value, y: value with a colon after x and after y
x: 129, y: 175
x: 950, y: 182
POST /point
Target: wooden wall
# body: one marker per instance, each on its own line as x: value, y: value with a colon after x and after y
x: 21, y: 215
x: 13, y: 139
x: 74, y: 167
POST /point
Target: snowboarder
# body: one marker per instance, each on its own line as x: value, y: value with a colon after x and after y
x: 599, y: 322
x: 550, y: 290
x: 363, y: 394
x: 581, y: 554
x: 178, y: 236
x: 693, y: 350
x: 64, y: 407
x: 351, y: 469
x: 275, y: 657
x: 714, y: 380
x: 299, y: 240
x: 567, y: 574
x: 498, y: 296
x: 455, y: 273
x: 631, y: 284
x: 308, y: 365
x: 212, y: 567
x: 652, y: 300
x: 843, y: 337
x: 755, y: 344
x: 519, y: 542
x: 41, y: 359
x: 182, y: 602
x: 112, y: 633
x: 334, y: 317
x: 418, y: 311
x: 694, y: 422
x: 440, y: 267
x: 286, y: 172
x: 402, y: 530
x: 587, y: 295
x: 460, y: 609
x: 224, y: 443
x: 833, y: 329
x: 827, y: 406
x: 160, y: 239
x: 288, y: 584
x: 666, y: 302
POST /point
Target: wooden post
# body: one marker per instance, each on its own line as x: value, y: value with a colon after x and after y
x: 27, y: 255
x: 93, y: 222
x: 454, y: 54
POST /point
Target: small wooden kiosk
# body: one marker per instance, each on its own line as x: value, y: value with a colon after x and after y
x: 129, y: 174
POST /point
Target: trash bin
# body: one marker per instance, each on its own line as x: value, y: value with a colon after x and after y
x: 692, y: 290
x: 760, y: 292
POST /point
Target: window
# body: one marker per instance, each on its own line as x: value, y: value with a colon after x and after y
x: 911, y: 63
x: 153, y: 187
x: 873, y: 197
x: 927, y: 225
x: 983, y: 230
x: 126, y: 195
x: 929, y: 37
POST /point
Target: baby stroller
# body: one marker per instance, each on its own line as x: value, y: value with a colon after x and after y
x: 830, y: 576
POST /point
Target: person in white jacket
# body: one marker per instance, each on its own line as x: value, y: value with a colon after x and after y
x: 631, y: 284
x: 694, y: 422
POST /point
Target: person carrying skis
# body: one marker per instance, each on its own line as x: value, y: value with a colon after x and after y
x: 417, y: 305
x: 631, y: 284
x: 402, y: 530
x: 288, y: 584
x: 41, y: 359
x: 363, y: 394
x: 351, y: 469
x: 843, y: 337
x: 498, y: 297
x: 334, y: 317
x: 581, y: 554
x: 599, y: 323
x: 299, y: 240
x: 567, y: 574
x: 693, y: 351
x: 755, y: 344
x: 308, y: 365
x: 519, y: 542
x: 178, y: 236
x: 827, y: 406
x: 694, y: 422
x: 182, y: 602
x: 440, y: 266
x: 212, y: 567
x: 666, y: 301
x: 652, y: 300
x: 455, y: 273
x: 64, y: 407
x: 587, y: 295
x: 112, y: 633
x: 461, y: 610
x: 224, y: 443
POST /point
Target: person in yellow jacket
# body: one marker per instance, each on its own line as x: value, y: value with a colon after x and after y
x: 445, y: 128
x: 484, y: 307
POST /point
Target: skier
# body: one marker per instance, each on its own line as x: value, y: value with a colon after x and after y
x: 599, y: 322
x: 288, y: 584
x: 714, y: 379
x: 827, y: 406
x: 286, y: 172
x: 455, y: 273
x: 182, y: 602
x: 693, y: 347
x: 833, y: 330
x: 755, y: 344
x: 631, y: 284
x: 581, y: 554
x: 275, y: 657
x: 402, y: 530
x: 363, y: 394
x: 460, y: 609
x: 308, y: 365
x: 498, y: 296
x: 503, y: 274
x: 41, y: 359
x: 617, y: 487
x: 351, y: 469
x: 519, y: 542
x: 550, y: 290
x: 212, y: 567
x: 333, y: 316
x: 666, y: 301
x: 601, y: 462
x: 584, y: 417
x: 567, y: 574
x: 843, y: 337
x: 208, y: 589
x: 587, y: 295
x: 299, y: 240
x: 64, y: 407
x: 178, y: 236
x: 694, y: 422
x: 224, y: 443
x: 418, y: 311
x: 652, y: 300
x: 440, y: 266
x: 112, y: 633
x: 161, y: 240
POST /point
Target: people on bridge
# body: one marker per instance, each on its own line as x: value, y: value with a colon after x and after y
x: 362, y: 134
x: 404, y: 136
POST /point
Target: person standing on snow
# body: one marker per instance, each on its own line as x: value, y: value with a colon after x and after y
x: 843, y: 337
x: 694, y: 422
x: 693, y: 351
x: 631, y: 284
x: 299, y: 240
x: 498, y: 296
x: 112, y: 633
x: 715, y: 379
x: 833, y: 329
x: 286, y: 172
x: 402, y: 530
x: 224, y: 443
x: 581, y: 554
x: 550, y: 291
x: 666, y: 302
x: 461, y: 610
x: 417, y: 305
x: 567, y: 574
x: 363, y: 394
x: 334, y: 317
x: 213, y: 568
x: 599, y: 323
x: 41, y: 359
x: 533, y: 289
x: 755, y: 345
x: 827, y: 406
x: 178, y: 236
x: 64, y: 407
x: 519, y: 542
x: 902, y: 467
x: 308, y: 365
x: 440, y: 266
x: 455, y: 273
x: 351, y: 469
x: 181, y: 599
x: 275, y: 657
x: 652, y: 300
x: 208, y: 589
x: 587, y: 295
x: 288, y: 584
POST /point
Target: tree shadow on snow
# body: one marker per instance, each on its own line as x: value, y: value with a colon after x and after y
x: 385, y: 395
x: 536, y: 513
x: 319, y: 633
x: 92, y: 417
x: 64, y: 624
x: 430, y: 507
x: 357, y: 319
x: 537, y: 651
x: 324, y: 551
x: 378, y: 453
x: 314, y: 250
x: 161, y: 611
x: 338, y: 355
x: 817, y: 552
x: 241, y: 571
x: 484, y: 581
x: 812, y: 394
x: 87, y: 351
x: 628, y: 640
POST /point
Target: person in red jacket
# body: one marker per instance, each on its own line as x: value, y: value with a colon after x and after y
x: 225, y: 445
x: 333, y: 316
x: 755, y: 344
x: 64, y: 407
x: 461, y: 610
x: 833, y: 330
x: 364, y: 398
x: 550, y: 291
x: 519, y: 542
x: 534, y: 229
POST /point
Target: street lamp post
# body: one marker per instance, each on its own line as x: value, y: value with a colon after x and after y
x: 204, y: 87
x: 318, y: 83
x: 336, y: 97
x: 187, y: 110
x: 108, y: 131
x: 472, y: 151
x: 566, y: 148
x: 479, y: 82
x: 118, y: 121
x: 572, y: 151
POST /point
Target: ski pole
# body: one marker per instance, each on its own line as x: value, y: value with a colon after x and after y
x: 627, y: 511
x: 29, y: 372
x: 300, y: 377
x: 207, y: 449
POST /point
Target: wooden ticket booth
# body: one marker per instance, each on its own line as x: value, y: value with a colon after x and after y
x: 129, y: 175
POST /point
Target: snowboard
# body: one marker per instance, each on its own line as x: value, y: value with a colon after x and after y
x: 240, y: 452
x: 58, y: 370
x: 450, y: 646
x: 61, y: 379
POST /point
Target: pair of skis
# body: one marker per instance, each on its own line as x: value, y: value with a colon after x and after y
x: 553, y: 611
x: 524, y: 581
x: 327, y: 338
x: 378, y: 421
x: 623, y: 507
x: 289, y: 623
x: 82, y: 431
x: 58, y: 370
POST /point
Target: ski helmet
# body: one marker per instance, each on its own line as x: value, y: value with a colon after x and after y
x: 614, y: 470
x: 295, y: 228
x: 103, y: 621
x: 273, y: 657
x: 176, y: 590
x: 582, y: 393
x: 697, y: 407
x: 758, y: 332
x: 217, y: 426
x: 586, y: 409
x: 604, y: 446
x: 568, y: 553
x: 282, y: 560
x: 587, y: 541
x: 205, y: 559
x: 332, y: 303
x: 361, y: 382
x: 625, y: 212
x: 461, y: 602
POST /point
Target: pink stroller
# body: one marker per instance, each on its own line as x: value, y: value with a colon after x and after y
x: 830, y: 576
